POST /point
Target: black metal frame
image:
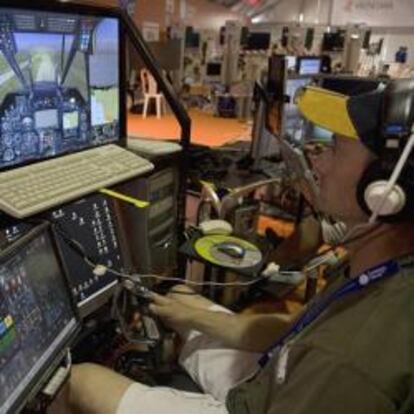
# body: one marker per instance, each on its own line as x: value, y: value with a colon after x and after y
x: 183, y: 119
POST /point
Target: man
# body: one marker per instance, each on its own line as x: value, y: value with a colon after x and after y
x: 353, y: 349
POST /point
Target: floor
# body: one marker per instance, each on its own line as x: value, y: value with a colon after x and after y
x: 207, y: 129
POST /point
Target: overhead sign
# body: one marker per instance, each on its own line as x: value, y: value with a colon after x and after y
x: 389, y: 13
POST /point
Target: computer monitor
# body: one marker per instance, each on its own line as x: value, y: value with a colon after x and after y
x: 37, y: 318
x: 294, y: 125
x: 59, y: 83
x: 192, y: 39
x: 309, y: 65
x: 213, y: 71
x: 92, y: 223
x: 258, y: 41
x: 333, y: 41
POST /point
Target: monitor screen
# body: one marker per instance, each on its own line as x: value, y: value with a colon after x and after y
x: 293, y: 123
x: 258, y: 41
x: 309, y: 66
x: 213, y: 69
x: 192, y: 39
x: 59, y: 84
x: 36, y: 316
x: 334, y: 41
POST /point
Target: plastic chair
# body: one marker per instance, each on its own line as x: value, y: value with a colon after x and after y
x: 150, y: 91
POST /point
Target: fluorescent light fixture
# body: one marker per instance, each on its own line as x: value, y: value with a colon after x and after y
x: 301, y: 17
x: 256, y: 19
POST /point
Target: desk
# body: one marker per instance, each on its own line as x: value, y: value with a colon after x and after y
x: 200, y: 90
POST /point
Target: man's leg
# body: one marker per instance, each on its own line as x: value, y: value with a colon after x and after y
x: 92, y: 389
x: 209, y: 363
x: 96, y: 390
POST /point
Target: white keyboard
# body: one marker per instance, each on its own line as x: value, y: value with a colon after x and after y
x: 152, y: 147
x: 39, y: 187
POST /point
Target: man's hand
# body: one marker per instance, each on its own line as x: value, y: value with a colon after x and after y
x: 255, y: 333
x: 173, y: 313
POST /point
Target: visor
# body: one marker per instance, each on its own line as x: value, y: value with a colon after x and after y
x: 354, y: 117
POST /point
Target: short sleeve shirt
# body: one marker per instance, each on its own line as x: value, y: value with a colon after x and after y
x: 356, y: 358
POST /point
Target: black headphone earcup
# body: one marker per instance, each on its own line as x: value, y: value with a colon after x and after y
x: 377, y: 172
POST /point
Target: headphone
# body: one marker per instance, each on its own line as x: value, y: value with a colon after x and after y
x: 386, y: 188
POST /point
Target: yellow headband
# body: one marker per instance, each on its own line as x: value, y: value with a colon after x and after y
x: 326, y: 109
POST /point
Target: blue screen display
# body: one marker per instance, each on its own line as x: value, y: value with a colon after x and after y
x: 309, y: 66
x: 59, y: 84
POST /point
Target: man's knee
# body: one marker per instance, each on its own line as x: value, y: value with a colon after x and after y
x: 96, y: 389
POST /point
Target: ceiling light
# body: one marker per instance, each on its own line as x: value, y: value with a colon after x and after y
x: 256, y: 19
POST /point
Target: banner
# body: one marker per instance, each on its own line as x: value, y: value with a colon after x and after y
x: 387, y: 13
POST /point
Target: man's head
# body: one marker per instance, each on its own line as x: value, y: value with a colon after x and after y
x: 338, y: 177
x: 371, y: 130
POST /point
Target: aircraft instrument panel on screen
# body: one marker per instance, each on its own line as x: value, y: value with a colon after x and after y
x: 36, y: 317
x: 59, y: 84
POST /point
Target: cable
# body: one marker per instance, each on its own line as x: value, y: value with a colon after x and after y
x: 79, y: 249
x: 184, y: 281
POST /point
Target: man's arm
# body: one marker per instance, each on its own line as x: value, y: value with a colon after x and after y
x: 255, y: 333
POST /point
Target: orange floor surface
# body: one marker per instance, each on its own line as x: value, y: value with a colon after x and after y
x: 207, y: 129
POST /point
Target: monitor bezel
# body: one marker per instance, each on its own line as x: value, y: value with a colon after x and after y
x: 51, y: 364
x: 87, y: 10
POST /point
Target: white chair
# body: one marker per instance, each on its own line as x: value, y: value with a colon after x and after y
x: 150, y: 91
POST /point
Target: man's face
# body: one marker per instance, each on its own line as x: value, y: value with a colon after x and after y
x: 338, y: 169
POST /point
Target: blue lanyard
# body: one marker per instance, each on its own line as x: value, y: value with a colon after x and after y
x: 359, y: 283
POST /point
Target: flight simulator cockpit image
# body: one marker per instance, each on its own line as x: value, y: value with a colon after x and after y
x: 59, y: 84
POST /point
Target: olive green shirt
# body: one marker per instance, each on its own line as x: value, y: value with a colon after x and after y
x: 356, y: 358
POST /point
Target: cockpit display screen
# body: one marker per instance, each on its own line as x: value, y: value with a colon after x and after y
x: 70, y: 120
x: 47, y: 118
x: 59, y: 84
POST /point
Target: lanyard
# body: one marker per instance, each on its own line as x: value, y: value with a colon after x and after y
x: 359, y: 283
